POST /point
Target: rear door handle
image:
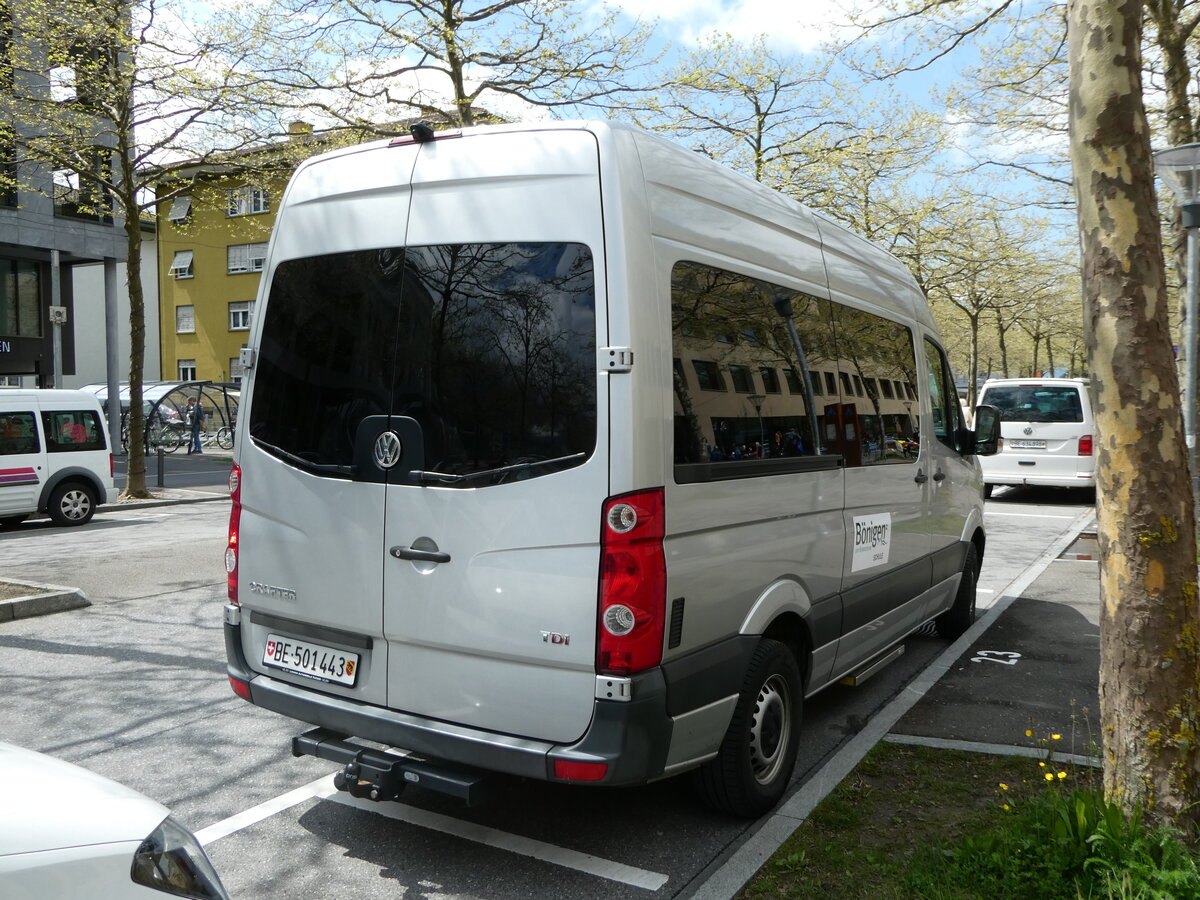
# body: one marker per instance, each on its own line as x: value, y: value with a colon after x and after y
x: 921, y: 477
x: 434, y: 556
x: 939, y: 476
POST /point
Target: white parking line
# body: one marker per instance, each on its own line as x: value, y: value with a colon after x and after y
x: 322, y: 787
x: 481, y: 834
x: 560, y: 856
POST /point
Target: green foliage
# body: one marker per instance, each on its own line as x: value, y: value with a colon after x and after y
x: 1066, y: 845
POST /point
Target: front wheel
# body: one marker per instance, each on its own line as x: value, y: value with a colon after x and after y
x: 751, y: 770
x: 72, y: 504
x: 224, y: 437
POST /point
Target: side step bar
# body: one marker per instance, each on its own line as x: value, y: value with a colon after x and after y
x: 872, y: 666
x: 377, y: 775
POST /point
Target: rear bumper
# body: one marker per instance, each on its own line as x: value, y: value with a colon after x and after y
x: 1080, y: 479
x: 632, y: 737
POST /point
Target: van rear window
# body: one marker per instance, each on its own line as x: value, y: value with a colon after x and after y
x: 1035, y: 403
x: 491, y: 348
x: 73, y: 431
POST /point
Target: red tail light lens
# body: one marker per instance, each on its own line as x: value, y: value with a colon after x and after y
x: 565, y: 770
x: 235, y: 521
x: 112, y: 466
x: 1085, y: 445
x: 633, y: 584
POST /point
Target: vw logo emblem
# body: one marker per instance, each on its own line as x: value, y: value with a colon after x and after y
x: 1028, y: 429
x: 388, y: 449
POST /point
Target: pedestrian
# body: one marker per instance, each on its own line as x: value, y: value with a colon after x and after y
x: 195, y: 418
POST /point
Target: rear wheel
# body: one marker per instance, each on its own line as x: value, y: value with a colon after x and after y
x: 961, y: 616
x: 72, y: 503
x: 756, y: 758
x: 224, y: 437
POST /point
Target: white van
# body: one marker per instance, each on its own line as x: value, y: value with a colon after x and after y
x: 569, y: 454
x: 54, y: 456
x: 1048, y: 433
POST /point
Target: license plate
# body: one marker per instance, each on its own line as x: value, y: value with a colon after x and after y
x: 314, y: 660
x: 1027, y: 445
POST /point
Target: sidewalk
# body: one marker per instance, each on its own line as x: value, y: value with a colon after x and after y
x: 1030, y: 663
x: 23, y: 599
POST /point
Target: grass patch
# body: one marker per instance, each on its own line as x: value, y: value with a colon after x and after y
x: 913, y: 822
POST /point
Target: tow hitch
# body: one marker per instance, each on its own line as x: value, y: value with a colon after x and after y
x: 374, y: 774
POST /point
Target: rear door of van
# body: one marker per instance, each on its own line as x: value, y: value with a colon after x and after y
x: 492, y: 557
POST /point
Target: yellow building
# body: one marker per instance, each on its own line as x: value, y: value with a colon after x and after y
x: 212, y: 242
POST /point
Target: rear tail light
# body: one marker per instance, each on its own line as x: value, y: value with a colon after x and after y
x: 235, y: 521
x: 1085, y: 445
x: 633, y: 584
x: 567, y: 770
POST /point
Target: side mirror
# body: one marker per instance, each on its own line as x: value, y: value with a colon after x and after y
x: 987, y: 430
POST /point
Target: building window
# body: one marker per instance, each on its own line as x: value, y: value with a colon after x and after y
x: 743, y: 382
x: 181, y: 265
x: 708, y: 376
x: 246, y: 201
x: 770, y: 380
x: 830, y: 384
x: 247, y: 257
x: 886, y: 386
x: 185, y: 320
x: 186, y: 369
x: 181, y: 209
x: 20, y: 298
x: 239, y: 315
x: 847, y: 391
x: 235, y: 369
x: 793, y: 381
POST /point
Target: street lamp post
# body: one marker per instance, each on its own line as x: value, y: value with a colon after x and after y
x: 1179, y: 168
x: 757, y: 400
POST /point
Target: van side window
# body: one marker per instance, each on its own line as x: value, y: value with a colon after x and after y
x: 874, y: 425
x: 73, y: 431
x: 730, y: 329
x: 756, y: 429
x: 947, y: 414
x: 17, y: 434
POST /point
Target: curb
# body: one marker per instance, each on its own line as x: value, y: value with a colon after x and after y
x: 41, y: 600
x: 196, y: 497
x: 743, y: 862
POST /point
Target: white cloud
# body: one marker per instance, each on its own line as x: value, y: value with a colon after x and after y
x: 800, y: 27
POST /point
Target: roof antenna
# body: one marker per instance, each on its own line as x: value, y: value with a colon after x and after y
x: 421, y: 132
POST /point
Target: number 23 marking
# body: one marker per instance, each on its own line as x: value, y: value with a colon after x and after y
x: 1004, y: 657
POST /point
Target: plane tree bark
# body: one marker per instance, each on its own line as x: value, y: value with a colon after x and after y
x: 1150, y: 620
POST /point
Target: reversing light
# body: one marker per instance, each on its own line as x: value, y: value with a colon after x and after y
x: 622, y: 518
x: 619, y: 620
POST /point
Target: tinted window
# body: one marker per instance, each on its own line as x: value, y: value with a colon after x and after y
x: 491, y: 348
x: 72, y: 432
x: 947, y: 414
x: 1035, y: 403
x: 18, y: 434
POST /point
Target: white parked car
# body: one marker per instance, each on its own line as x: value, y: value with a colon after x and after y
x: 69, y: 833
x: 1048, y: 433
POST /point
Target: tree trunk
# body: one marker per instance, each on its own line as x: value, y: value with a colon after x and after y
x: 1149, y: 620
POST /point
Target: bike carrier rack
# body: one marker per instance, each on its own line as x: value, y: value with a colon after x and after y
x: 373, y: 774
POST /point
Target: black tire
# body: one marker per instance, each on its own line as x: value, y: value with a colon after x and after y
x: 752, y: 769
x: 961, y: 616
x: 987, y: 491
x: 72, y: 503
x: 225, y: 437
x: 12, y: 521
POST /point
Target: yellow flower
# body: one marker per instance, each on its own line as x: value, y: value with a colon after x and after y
x: 1056, y: 737
x: 1005, y: 806
x: 1028, y: 733
x: 1042, y: 764
x: 1003, y: 786
x: 1062, y: 775
x: 1049, y: 777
